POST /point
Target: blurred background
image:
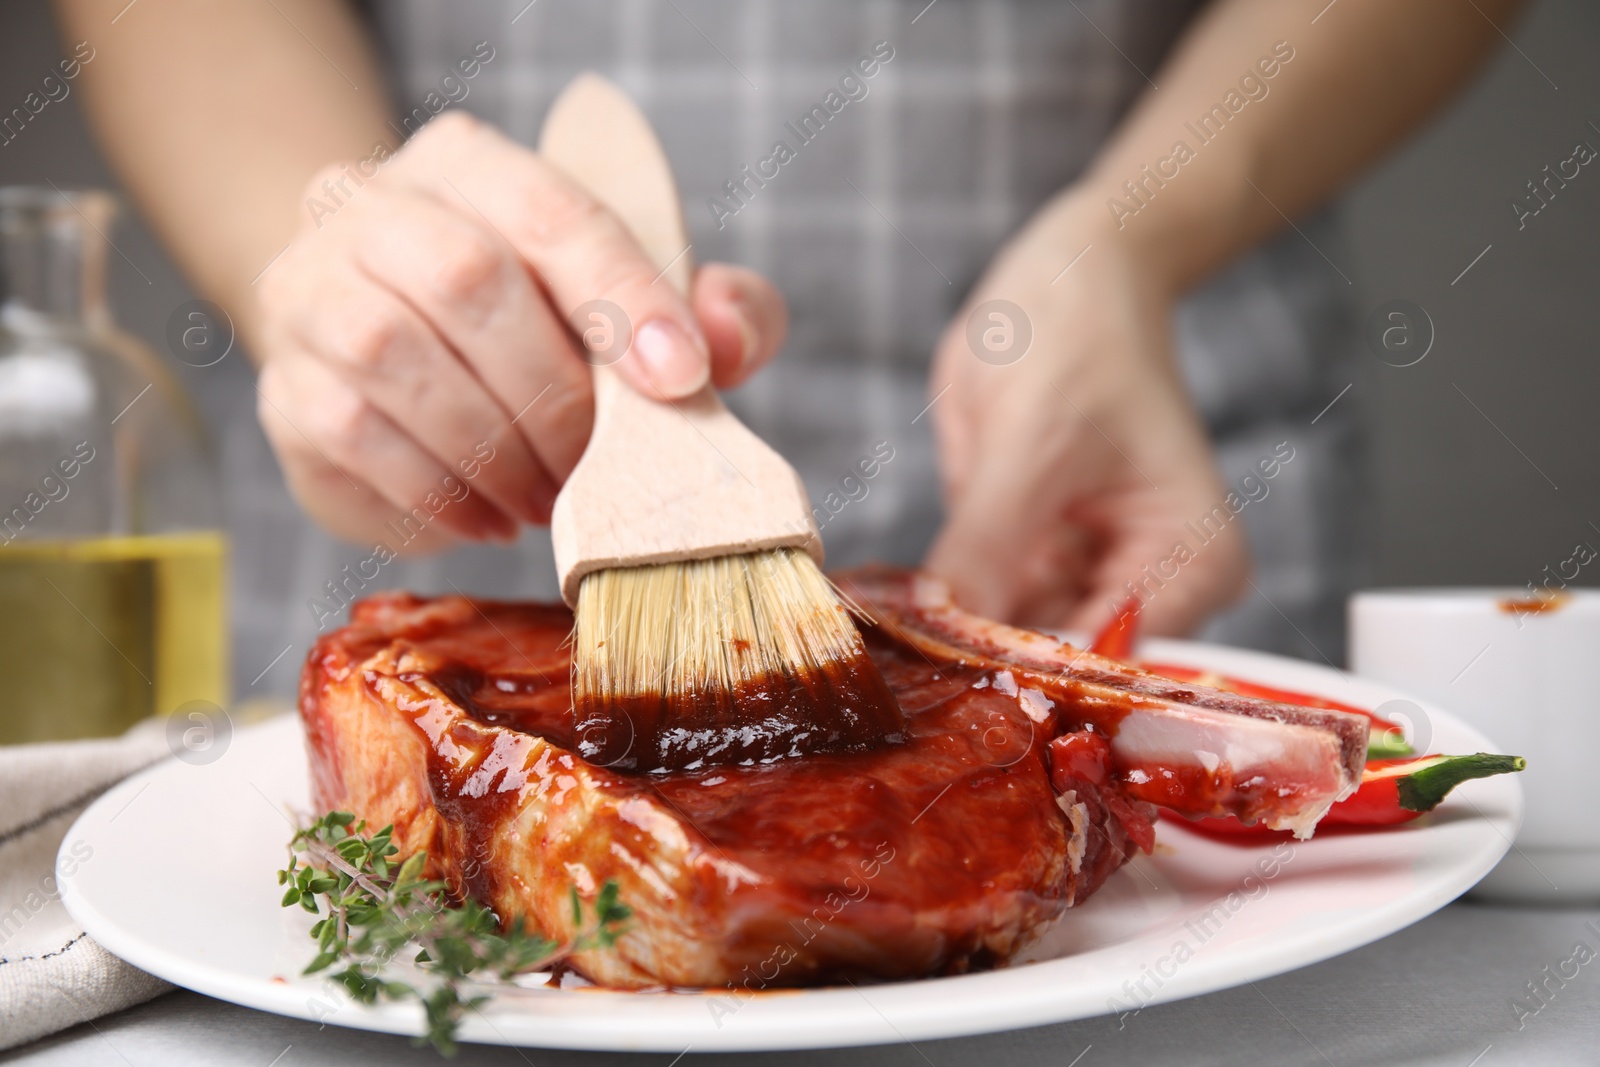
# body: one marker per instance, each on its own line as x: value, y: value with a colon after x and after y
x: 1482, y: 455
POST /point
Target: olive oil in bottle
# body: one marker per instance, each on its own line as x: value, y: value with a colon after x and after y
x: 112, y: 563
x: 115, y: 629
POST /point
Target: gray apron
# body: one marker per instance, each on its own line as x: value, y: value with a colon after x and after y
x: 895, y: 197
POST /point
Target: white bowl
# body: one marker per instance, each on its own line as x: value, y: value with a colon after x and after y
x: 1529, y: 679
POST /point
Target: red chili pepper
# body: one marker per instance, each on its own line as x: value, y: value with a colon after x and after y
x: 1392, y: 791
x: 1399, y: 790
x: 1115, y: 640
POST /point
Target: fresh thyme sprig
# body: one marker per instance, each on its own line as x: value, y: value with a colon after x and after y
x: 372, y: 909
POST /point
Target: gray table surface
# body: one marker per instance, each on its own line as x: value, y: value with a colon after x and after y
x: 1438, y: 993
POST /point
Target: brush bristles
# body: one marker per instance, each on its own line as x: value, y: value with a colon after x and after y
x: 707, y: 626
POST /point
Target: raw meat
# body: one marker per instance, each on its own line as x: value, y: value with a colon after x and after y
x: 1013, y: 795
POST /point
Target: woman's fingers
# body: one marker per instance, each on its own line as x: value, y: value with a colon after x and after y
x: 452, y: 310
x: 359, y: 474
x: 1177, y: 584
x: 994, y: 548
x: 1163, y: 546
x: 391, y: 356
x: 579, y: 250
x: 744, y: 319
x: 469, y: 285
x: 951, y: 409
x: 1073, y: 465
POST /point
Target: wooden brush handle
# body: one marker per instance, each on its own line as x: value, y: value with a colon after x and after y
x: 659, y: 481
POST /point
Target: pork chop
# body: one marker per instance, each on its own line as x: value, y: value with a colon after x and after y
x: 1012, y: 796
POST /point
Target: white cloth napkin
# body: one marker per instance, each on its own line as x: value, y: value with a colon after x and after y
x: 52, y: 975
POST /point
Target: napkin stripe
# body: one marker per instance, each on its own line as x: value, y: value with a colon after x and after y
x: 62, y: 951
x: 8, y: 836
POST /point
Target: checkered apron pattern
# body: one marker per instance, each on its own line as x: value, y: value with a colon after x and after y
x: 874, y: 229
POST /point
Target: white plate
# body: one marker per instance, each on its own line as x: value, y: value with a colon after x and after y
x: 180, y: 882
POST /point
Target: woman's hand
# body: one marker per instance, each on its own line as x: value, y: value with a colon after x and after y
x: 425, y: 325
x: 1071, y: 467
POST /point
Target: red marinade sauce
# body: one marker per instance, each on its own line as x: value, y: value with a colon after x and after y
x: 1538, y: 604
x: 1082, y: 755
x: 957, y: 809
x: 843, y: 707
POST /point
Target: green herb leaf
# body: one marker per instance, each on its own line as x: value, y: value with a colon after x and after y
x: 375, y: 910
x: 321, y: 961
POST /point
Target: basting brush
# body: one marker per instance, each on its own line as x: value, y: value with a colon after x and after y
x: 706, y: 632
